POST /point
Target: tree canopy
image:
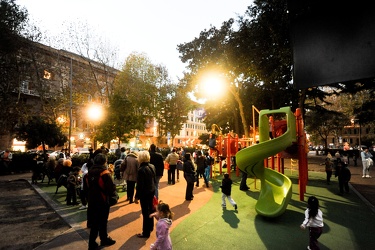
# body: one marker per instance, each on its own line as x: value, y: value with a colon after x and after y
x: 38, y: 131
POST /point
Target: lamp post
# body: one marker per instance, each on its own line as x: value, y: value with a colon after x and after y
x: 70, y: 105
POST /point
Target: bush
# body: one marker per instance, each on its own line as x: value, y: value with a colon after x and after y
x: 21, y: 161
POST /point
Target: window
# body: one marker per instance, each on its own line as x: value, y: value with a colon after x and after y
x: 47, y: 75
x: 24, y: 85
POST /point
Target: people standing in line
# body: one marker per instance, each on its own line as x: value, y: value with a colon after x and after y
x: 172, y: 159
x: 314, y: 221
x: 226, y: 190
x: 98, y: 207
x: 179, y: 163
x: 83, y: 193
x: 365, y: 163
x: 58, y: 169
x: 72, y: 184
x: 123, y: 153
x: 201, y: 165
x: 189, y: 175
x: 130, y: 166
x: 329, y: 168
x: 145, y: 192
x: 164, y: 217
x: 156, y: 159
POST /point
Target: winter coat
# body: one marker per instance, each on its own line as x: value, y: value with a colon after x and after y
x: 156, y: 159
x: 132, y: 165
x: 226, y: 186
x: 163, y: 241
x: 146, y: 180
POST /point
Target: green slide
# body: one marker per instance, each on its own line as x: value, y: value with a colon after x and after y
x: 276, y: 188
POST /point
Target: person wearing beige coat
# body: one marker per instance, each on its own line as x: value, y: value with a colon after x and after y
x: 130, y: 166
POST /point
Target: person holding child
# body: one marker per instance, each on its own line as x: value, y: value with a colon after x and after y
x: 314, y: 221
x: 226, y: 189
x: 164, y: 217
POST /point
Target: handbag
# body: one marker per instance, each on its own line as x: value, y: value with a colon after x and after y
x: 113, y: 199
x: 155, y: 203
x: 179, y: 165
x: 166, y: 165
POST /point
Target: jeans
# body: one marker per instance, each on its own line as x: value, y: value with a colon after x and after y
x: 207, y: 171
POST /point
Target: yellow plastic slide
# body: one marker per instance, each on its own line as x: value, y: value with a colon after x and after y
x: 276, y: 188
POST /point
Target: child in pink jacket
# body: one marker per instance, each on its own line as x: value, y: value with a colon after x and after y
x: 164, y: 216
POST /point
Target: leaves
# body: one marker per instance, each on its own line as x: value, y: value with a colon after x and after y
x: 38, y: 131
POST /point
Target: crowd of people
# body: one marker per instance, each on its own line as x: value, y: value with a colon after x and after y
x: 89, y: 186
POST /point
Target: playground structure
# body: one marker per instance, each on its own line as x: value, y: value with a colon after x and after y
x: 288, y: 141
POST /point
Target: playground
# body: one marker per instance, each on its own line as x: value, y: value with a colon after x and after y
x: 268, y: 215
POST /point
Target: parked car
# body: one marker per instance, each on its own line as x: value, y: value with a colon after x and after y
x: 58, y: 154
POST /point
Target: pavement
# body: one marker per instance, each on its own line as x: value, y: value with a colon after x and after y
x: 131, y: 220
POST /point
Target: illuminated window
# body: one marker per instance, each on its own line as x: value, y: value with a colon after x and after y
x: 47, y: 75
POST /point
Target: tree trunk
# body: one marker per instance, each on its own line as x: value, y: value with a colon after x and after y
x: 242, y: 113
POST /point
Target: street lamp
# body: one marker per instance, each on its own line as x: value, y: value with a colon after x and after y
x: 94, y: 114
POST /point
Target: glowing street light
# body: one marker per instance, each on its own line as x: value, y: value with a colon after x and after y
x: 95, y: 113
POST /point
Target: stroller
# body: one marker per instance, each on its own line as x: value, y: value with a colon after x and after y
x: 117, y: 178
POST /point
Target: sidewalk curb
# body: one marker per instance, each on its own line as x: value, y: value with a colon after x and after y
x: 372, y: 207
x: 76, y: 237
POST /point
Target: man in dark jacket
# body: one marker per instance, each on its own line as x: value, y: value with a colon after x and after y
x: 99, y: 185
x: 156, y: 159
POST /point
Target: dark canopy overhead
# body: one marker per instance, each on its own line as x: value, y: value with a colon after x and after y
x: 333, y: 41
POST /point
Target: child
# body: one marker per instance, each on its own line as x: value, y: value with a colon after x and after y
x: 226, y: 189
x: 164, y: 216
x: 313, y: 220
x: 73, y: 183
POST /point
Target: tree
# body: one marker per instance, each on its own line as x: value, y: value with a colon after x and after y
x: 40, y: 131
x: 321, y: 123
x: 119, y: 122
x: 212, y: 51
x: 13, y: 21
x: 173, y: 105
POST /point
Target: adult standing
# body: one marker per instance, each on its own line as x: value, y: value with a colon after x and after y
x: 156, y: 159
x: 201, y: 165
x: 123, y: 153
x: 209, y: 162
x: 189, y: 175
x: 365, y: 163
x: 145, y: 192
x: 98, y: 207
x: 130, y: 166
x: 172, y: 159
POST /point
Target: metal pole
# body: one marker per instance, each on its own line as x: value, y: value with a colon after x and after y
x: 70, y: 105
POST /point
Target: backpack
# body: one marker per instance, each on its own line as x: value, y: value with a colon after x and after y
x: 110, y: 199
